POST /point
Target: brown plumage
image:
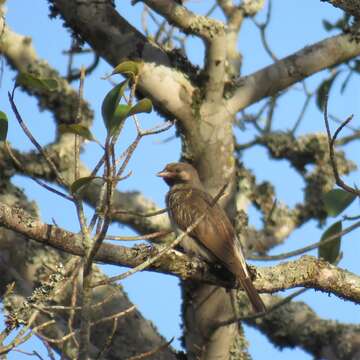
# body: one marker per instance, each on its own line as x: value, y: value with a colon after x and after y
x: 214, y: 237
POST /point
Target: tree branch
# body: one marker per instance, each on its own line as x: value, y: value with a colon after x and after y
x: 36, y: 263
x: 331, y: 141
x: 274, y: 78
x: 186, y: 20
x: 213, y: 34
x: 63, y: 103
x: 298, y: 325
x: 306, y: 271
x: 21, y: 55
x: 115, y: 40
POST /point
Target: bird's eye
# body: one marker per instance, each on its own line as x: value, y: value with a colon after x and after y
x: 177, y: 170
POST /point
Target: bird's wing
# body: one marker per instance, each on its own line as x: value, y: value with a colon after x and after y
x: 215, y: 232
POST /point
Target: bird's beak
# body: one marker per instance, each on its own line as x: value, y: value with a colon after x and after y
x: 164, y: 174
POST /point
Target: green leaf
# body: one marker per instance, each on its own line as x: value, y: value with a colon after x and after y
x: 81, y: 182
x: 327, y: 25
x: 337, y: 200
x: 77, y: 129
x: 323, y: 90
x: 130, y: 68
x: 331, y: 250
x: 37, y: 83
x: 342, y: 23
x: 121, y: 113
x: 143, y: 106
x: 3, y: 126
x: 109, y: 107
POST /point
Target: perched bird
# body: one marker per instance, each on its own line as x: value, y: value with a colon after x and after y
x: 214, y: 238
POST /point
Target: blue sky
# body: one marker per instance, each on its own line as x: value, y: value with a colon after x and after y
x: 294, y: 24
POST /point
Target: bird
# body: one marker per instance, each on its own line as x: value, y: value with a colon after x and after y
x: 214, y: 238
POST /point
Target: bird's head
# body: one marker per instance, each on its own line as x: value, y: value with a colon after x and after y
x: 180, y: 173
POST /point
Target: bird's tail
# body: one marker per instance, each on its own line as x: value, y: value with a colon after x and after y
x: 252, y: 294
x: 243, y: 276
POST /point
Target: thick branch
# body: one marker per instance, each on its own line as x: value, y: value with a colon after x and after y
x: 63, y: 103
x: 21, y: 55
x: 110, y: 35
x: 22, y: 262
x: 210, y: 30
x: 131, y: 203
x: 274, y: 78
x: 307, y: 271
x: 234, y: 19
x: 186, y: 20
x: 114, y: 39
x: 298, y: 325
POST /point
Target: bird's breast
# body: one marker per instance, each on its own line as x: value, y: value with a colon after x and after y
x: 182, y: 216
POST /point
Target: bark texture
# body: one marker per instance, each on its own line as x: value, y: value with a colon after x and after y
x: 205, y: 104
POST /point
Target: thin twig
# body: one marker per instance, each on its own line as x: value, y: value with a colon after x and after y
x: 34, y: 141
x: 55, y: 341
x: 34, y: 353
x: 98, y: 209
x: 73, y: 300
x: 39, y: 182
x: 108, y: 341
x: 50, y: 352
x: 114, y: 316
x: 162, y: 251
x: 347, y: 139
x: 351, y: 218
x: 263, y: 27
x: 88, y: 70
x: 153, y: 235
x: 20, y: 337
x: 98, y: 166
x: 271, y: 212
x: 73, y: 333
x: 86, y: 280
x: 303, y: 109
x: 159, y: 128
x: 244, y: 146
x: 70, y: 53
x: 269, y: 310
x: 151, y: 352
x: 338, y: 121
x: 306, y: 248
x: 144, y: 23
x: 153, y: 259
x: 133, y: 213
x: 78, y: 120
x: 270, y: 117
x: 331, y: 140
